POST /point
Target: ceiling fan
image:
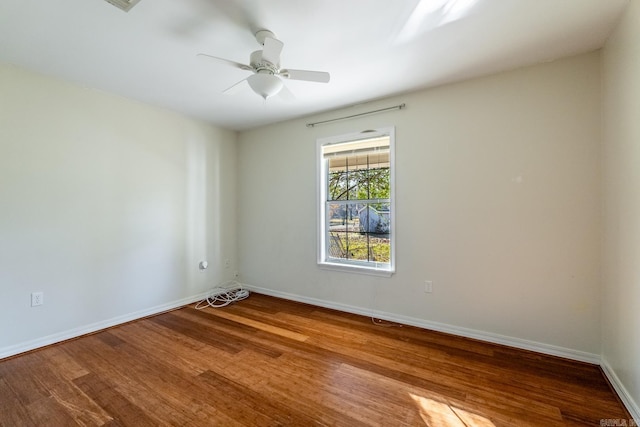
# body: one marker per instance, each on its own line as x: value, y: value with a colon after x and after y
x: 265, y: 65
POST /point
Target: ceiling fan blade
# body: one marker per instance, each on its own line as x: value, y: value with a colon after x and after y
x: 228, y: 62
x: 235, y: 88
x: 310, y: 76
x: 272, y: 49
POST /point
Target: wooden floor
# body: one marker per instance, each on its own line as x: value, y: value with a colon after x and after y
x: 270, y: 362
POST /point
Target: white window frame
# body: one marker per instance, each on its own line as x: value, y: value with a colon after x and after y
x: 382, y: 269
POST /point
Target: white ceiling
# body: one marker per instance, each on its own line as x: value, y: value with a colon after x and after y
x: 372, y: 48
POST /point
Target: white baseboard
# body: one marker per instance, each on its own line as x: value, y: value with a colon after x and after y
x: 88, y: 329
x: 624, y: 395
x: 552, y: 350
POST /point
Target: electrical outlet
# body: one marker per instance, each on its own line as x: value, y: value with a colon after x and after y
x: 37, y: 298
x: 428, y: 286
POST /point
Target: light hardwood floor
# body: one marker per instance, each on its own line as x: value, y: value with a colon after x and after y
x: 269, y: 362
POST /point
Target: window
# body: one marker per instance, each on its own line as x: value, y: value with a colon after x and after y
x: 356, y: 209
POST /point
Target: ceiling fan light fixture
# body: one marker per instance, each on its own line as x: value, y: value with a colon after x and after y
x: 264, y: 84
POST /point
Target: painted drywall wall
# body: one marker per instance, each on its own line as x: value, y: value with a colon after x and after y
x: 106, y: 205
x: 497, y: 203
x: 621, y: 182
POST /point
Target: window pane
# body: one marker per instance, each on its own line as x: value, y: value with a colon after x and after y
x: 379, y: 183
x: 359, y: 231
x: 354, y: 183
x: 348, y: 180
x: 337, y: 186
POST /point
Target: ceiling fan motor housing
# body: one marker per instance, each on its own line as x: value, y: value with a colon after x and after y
x: 260, y: 65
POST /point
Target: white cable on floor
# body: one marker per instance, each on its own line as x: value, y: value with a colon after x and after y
x: 223, y: 295
x: 379, y: 322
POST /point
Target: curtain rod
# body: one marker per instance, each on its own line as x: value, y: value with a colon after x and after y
x: 395, y: 107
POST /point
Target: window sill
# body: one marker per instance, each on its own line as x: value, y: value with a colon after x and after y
x: 348, y: 268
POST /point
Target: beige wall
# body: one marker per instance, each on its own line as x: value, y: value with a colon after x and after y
x: 497, y: 203
x: 106, y: 205
x: 621, y: 248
